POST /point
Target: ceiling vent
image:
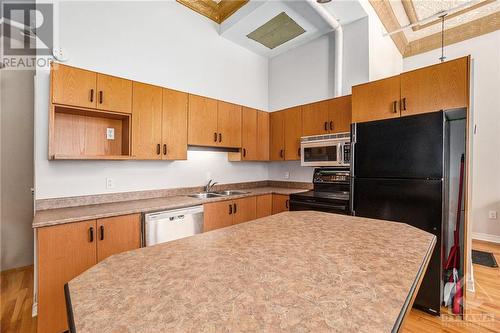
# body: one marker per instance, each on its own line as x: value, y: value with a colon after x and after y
x: 278, y: 30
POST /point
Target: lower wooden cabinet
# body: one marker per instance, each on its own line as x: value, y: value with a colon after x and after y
x: 264, y: 205
x: 244, y: 210
x: 67, y: 250
x: 280, y: 203
x: 225, y: 213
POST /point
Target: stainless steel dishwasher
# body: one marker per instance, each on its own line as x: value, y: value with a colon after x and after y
x: 160, y: 227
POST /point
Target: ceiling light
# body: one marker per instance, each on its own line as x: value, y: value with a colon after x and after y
x: 323, y: 1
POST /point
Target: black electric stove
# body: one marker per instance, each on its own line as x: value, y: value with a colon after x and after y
x: 330, y: 193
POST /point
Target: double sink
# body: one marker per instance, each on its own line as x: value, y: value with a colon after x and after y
x: 206, y: 195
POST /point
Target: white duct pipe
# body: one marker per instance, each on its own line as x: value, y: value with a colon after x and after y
x: 339, y: 43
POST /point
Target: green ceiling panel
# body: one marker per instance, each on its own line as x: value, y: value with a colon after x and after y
x: 280, y: 29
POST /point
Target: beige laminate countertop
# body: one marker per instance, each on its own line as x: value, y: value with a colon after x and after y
x: 290, y: 272
x: 51, y: 217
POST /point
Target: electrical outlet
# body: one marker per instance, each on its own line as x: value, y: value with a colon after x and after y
x: 110, y: 183
x: 287, y: 175
x: 492, y: 214
x: 110, y: 133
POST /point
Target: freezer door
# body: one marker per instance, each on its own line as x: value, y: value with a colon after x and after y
x: 417, y: 203
x: 406, y: 147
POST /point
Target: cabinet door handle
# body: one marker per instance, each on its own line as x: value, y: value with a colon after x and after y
x: 331, y: 125
x: 404, y: 103
x: 100, y: 97
x: 281, y: 153
x: 220, y: 137
x: 102, y: 232
x: 244, y: 152
x: 286, y: 204
x: 91, y: 234
x: 326, y: 126
x: 234, y: 210
x: 164, y: 149
x: 395, y: 106
x: 158, y: 147
x: 230, y: 209
x: 91, y: 95
x: 298, y: 151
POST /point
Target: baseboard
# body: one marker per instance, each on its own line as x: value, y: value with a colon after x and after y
x: 486, y: 237
x: 470, y: 280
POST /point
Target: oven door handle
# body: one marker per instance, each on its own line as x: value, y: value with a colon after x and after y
x: 317, y: 205
x: 340, y: 147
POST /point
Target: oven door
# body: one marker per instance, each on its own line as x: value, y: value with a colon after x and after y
x: 322, y: 153
x: 337, y: 208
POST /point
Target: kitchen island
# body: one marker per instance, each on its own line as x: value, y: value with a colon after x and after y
x: 290, y: 272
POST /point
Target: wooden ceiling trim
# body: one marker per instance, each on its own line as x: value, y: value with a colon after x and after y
x: 217, y: 12
x: 390, y: 22
x: 411, y: 13
x: 454, y: 35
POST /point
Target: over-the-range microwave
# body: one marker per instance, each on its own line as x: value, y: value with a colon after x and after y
x: 326, y: 150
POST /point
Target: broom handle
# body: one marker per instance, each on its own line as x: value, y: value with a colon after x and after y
x: 459, y: 206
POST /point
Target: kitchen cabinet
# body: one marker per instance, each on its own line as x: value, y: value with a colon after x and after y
x: 254, y: 136
x: 118, y: 234
x: 213, y: 123
x: 327, y: 117
x: 376, y: 100
x: 286, y: 130
x: 114, y: 93
x: 146, y: 121
x: 73, y: 86
x: 64, y: 251
x: 222, y: 214
x: 438, y: 87
x: 67, y: 250
x: 280, y: 203
x: 174, y: 125
x: 264, y: 205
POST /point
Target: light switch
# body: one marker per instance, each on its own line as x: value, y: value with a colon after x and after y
x: 110, y: 133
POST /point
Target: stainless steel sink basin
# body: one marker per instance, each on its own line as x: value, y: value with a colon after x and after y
x: 204, y: 195
x: 230, y: 192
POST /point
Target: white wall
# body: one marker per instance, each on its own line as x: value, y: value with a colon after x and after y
x: 160, y: 43
x: 485, y: 52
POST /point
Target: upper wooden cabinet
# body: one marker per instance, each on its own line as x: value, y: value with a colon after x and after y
x: 146, y: 121
x: 262, y: 136
x: 293, y: 132
x: 73, y: 86
x: 229, y: 124
x: 325, y: 117
x: 213, y: 123
x: 254, y: 136
x: 376, y: 100
x: 174, y: 125
x: 438, y: 87
x: 114, y: 94
x: 277, y: 136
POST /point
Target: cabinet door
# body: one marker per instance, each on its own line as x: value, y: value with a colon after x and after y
x: 264, y: 205
x: 376, y: 100
x: 73, y: 86
x: 114, y: 93
x: 293, y: 132
x: 64, y: 251
x: 277, y: 137
x: 262, y: 136
x: 146, y: 121
x: 249, y: 134
x: 202, y: 121
x: 280, y: 203
x: 118, y: 234
x: 174, y: 125
x: 217, y: 215
x: 340, y: 111
x: 439, y: 87
x: 244, y: 210
x: 229, y: 125
x: 316, y: 118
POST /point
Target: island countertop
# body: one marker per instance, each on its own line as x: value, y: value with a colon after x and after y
x: 290, y: 272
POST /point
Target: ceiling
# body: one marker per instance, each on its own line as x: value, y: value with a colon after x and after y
x: 417, y: 26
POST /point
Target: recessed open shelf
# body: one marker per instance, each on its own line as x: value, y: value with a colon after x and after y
x: 82, y: 134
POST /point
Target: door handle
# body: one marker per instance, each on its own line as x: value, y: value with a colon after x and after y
x: 234, y: 209
x: 215, y: 137
x: 100, y: 97
x: 286, y: 204
x: 395, y: 106
x: 164, y: 149
x: 230, y: 209
x: 158, y: 147
x: 102, y: 232
x: 220, y: 137
x: 91, y: 234
x: 326, y: 126
x: 244, y: 152
x: 404, y: 103
x: 298, y: 151
x: 281, y: 153
x: 331, y: 125
x: 91, y: 95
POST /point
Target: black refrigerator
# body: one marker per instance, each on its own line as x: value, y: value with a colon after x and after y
x: 398, y: 175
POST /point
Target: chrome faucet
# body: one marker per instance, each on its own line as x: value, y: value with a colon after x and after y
x: 210, y: 185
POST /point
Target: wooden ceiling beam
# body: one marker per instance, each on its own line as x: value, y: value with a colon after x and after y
x: 217, y: 12
x: 390, y: 22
